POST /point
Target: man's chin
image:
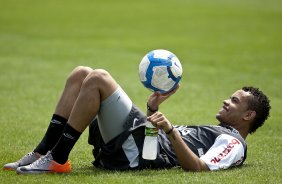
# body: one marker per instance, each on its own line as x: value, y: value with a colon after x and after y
x: 218, y: 117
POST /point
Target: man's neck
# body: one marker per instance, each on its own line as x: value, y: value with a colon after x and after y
x: 242, y: 131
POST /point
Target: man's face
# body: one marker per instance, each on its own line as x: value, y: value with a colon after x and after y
x: 234, y: 109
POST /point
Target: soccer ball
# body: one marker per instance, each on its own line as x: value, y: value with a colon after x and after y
x: 160, y: 71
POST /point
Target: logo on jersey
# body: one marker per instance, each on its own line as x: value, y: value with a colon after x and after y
x: 134, y: 122
x: 184, y: 130
x: 226, y: 151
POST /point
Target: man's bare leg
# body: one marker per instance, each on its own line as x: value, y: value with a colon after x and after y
x: 63, y: 109
x: 71, y: 90
x: 97, y: 86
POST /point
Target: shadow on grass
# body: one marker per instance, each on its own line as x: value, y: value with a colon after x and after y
x: 89, y: 169
x: 94, y: 171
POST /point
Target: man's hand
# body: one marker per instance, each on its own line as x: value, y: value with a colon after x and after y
x: 157, y: 98
x: 160, y: 121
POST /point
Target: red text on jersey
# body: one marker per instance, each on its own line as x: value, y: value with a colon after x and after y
x: 226, y: 151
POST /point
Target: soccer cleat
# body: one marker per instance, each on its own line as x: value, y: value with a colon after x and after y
x: 45, y: 164
x: 25, y: 160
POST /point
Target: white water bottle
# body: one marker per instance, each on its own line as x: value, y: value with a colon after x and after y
x: 150, y: 146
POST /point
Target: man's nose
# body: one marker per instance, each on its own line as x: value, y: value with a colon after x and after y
x: 226, y: 102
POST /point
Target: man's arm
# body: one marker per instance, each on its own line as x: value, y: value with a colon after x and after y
x: 187, y: 159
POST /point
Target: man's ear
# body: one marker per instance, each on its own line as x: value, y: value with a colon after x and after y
x: 250, y: 115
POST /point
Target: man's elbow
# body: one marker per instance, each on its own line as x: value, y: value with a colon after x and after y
x: 196, y: 168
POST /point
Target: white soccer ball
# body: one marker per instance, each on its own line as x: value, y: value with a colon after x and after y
x: 160, y: 70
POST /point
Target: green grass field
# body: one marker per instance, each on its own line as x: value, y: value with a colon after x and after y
x: 222, y: 44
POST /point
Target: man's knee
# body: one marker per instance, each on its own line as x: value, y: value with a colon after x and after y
x: 98, y: 77
x: 79, y: 74
x: 102, y: 80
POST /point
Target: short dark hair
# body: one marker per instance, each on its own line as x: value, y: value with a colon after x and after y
x: 260, y: 104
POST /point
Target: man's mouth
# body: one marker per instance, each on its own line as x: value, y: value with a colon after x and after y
x: 223, y: 108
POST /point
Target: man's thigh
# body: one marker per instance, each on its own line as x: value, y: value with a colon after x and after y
x: 113, y: 113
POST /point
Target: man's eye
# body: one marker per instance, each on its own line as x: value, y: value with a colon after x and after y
x: 234, y: 100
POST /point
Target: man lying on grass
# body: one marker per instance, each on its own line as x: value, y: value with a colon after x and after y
x: 93, y: 97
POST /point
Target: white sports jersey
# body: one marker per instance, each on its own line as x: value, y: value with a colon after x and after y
x: 225, y: 152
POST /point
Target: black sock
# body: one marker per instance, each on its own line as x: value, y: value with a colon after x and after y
x: 52, y: 135
x: 63, y: 147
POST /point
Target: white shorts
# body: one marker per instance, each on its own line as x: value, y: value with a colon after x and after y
x: 113, y: 113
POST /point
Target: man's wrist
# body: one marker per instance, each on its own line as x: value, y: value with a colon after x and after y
x: 153, y: 110
x: 170, y: 130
